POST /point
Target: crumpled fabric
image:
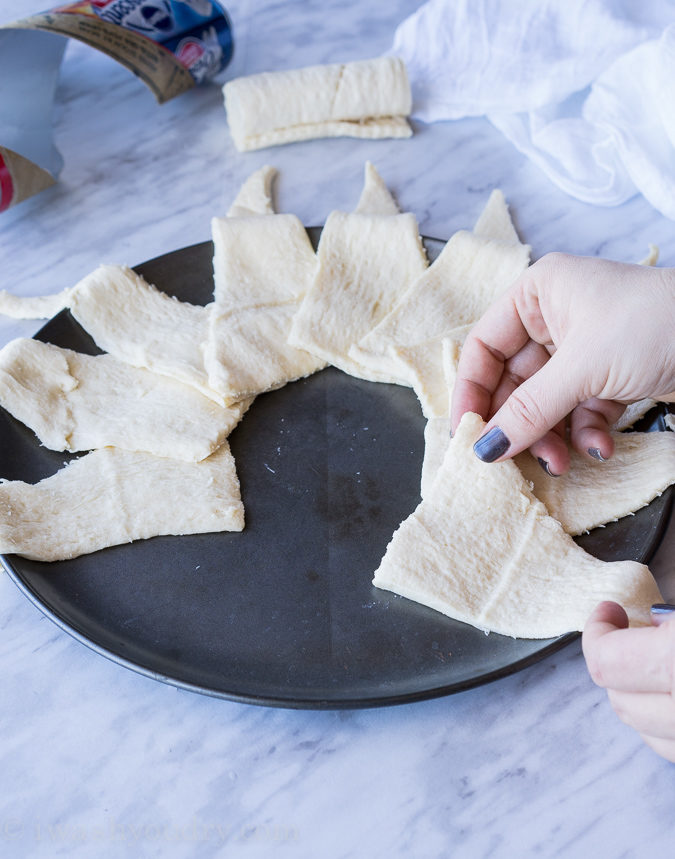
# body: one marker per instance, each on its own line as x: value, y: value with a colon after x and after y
x: 584, y: 88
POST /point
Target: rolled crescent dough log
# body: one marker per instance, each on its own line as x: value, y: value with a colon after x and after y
x: 367, y: 98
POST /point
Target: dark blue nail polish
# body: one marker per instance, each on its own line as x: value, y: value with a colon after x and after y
x: 663, y: 608
x: 492, y: 445
x: 661, y: 612
x: 595, y: 453
x: 546, y: 467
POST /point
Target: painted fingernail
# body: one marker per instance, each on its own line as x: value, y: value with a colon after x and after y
x: 661, y: 612
x: 546, y: 467
x: 595, y: 453
x: 492, y: 445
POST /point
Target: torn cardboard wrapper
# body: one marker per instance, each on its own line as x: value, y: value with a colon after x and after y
x: 171, y: 45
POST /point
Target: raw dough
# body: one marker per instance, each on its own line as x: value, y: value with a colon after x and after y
x: 367, y: 98
x: 592, y: 493
x: 113, y: 496
x: 255, y: 195
x: 263, y: 267
x: 632, y: 413
x: 445, y: 301
x: 142, y: 326
x: 367, y: 260
x: 376, y: 198
x: 78, y: 402
x: 33, y: 307
x: 482, y: 549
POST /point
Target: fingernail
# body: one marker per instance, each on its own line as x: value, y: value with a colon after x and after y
x: 546, y: 467
x: 595, y: 453
x: 492, y: 445
x: 661, y: 612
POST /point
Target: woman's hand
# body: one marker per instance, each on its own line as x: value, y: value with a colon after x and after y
x: 573, y: 336
x: 637, y: 668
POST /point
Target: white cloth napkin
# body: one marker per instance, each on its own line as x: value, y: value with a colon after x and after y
x: 585, y: 88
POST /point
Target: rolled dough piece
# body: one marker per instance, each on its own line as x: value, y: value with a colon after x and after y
x: 112, y: 496
x: 367, y: 98
x: 263, y: 266
x: 482, y: 549
x: 78, y: 402
x: 593, y: 493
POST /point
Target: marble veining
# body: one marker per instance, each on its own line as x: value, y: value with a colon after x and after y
x: 96, y: 760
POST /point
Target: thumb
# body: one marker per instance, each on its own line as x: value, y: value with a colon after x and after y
x: 534, y: 408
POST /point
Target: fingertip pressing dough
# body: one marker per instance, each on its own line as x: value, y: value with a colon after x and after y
x: 76, y: 402
x: 366, y: 98
x: 110, y: 496
x: 482, y: 549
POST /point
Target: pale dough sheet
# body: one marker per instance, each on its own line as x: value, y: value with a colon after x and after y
x: 33, y: 307
x: 432, y: 367
x: 78, y: 402
x: 445, y: 300
x: 263, y: 266
x: 255, y: 195
x: 593, y: 493
x: 436, y: 441
x: 376, y: 198
x: 366, y: 98
x: 632, y: 413
x: 482, y: 549
x: 142, y: 326
x: 112, y: 496
x: 367, y: 262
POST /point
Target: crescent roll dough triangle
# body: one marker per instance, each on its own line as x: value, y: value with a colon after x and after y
x: 79, y: 402
x: 592, y: 493
x: 109, y: 497
x: 449, y: 297
x: 141, y: 325
x: 367, y: 260
x: 376, y: 198
x: 482, y: 549
x: 255, y: 195
x: 263, y: 266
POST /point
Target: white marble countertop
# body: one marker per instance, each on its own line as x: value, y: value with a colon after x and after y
x: 96, y: 760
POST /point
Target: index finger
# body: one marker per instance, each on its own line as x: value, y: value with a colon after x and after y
x: 497, y: 336
x: 633, y: 660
